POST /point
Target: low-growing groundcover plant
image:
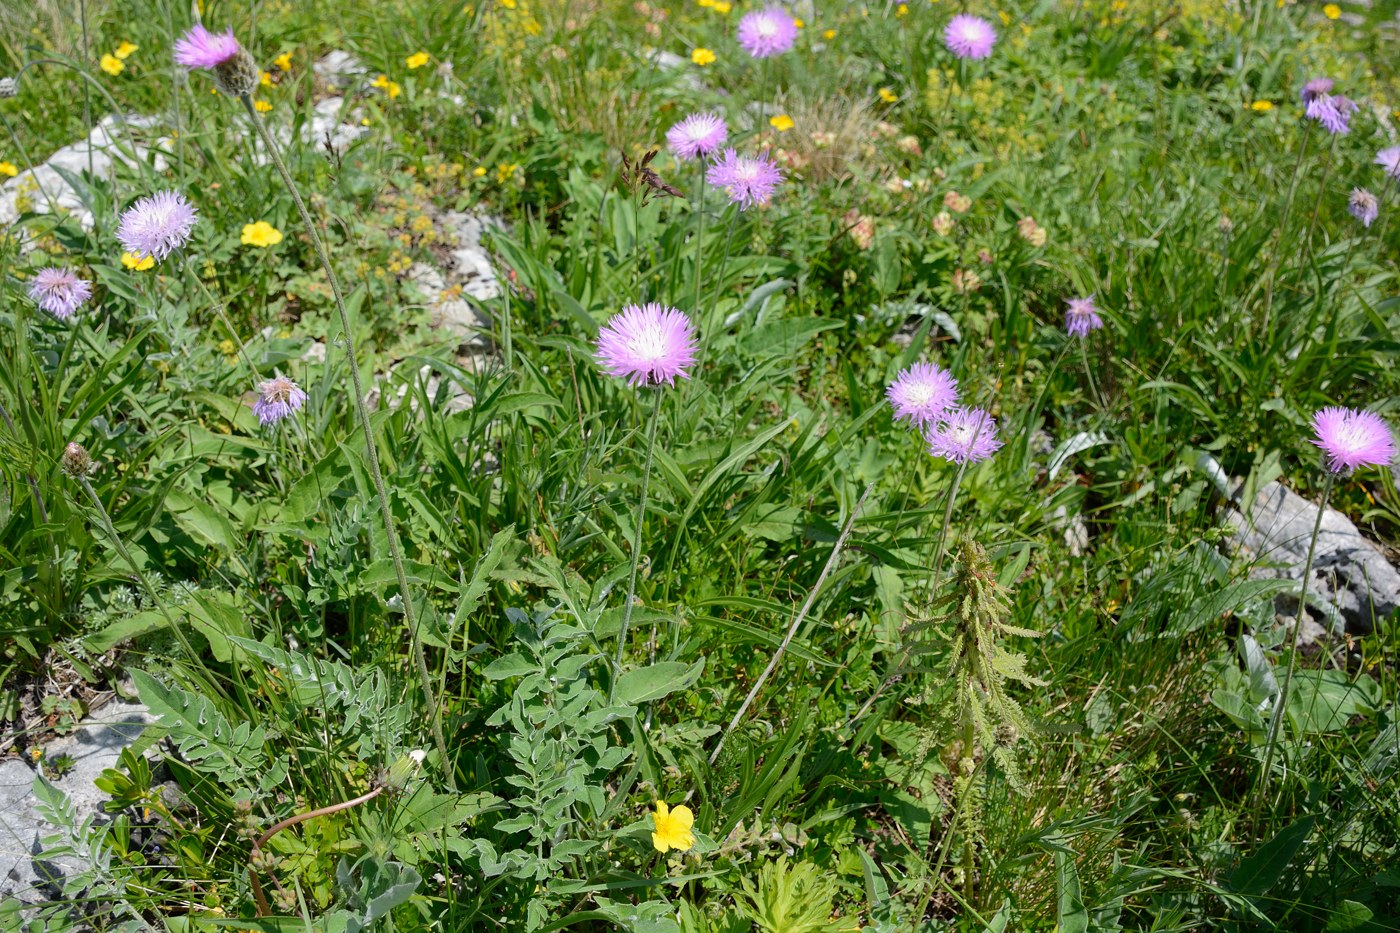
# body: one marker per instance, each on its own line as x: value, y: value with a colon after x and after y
x: 823, y: 528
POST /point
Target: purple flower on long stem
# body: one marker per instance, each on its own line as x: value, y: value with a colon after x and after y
x: 768, y: 32
x: 1364, y: 206
x: 1333, y: 111
x: 1081, y: 316
x: 200, y: 48
x: 278, y: 398
x: 697, y: 135
x: 749, y: 180
x: 647, y: 345
x: 157, y: 226
x: 921, y: 394
x: 969, y: 36
x: 1352, y: 438
x: 59, y: 291
x: 966, y: 435
x: 1317, y: 87
x: 1389, y: 160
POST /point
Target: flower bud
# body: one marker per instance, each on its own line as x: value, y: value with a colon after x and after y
x: 75, y: 461
x: 238, y: 75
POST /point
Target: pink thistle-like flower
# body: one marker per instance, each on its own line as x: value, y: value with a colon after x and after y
x: 59, y: 291
x: 1317, y: 87
x: 1389, y: 160
x: 749, y: 180
x: 1352, y: 438
x: 278, y: 398
x: 921, y: 394
x: 200, y: 48
x: 969, y: 36
x: 647, y: 345
x: 966, y: 435
x: 697, y: 135
x: 768, y: 32
x: 157, y: 226
x: 1364, y: 206
x: 1333, y: 111
x: 1081, y: 316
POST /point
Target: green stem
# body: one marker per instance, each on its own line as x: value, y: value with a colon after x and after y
x: 943, y: 531
x: 371, y: 450
x: 967, y: 804
x: 637, y: 534
x: 1276, y: 721
x: 1283, y: 222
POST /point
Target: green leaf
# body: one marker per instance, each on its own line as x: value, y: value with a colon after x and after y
x: 1349, y: 915
x: 1255, y: 875
x: 512, y: 665
x: 1323, y: 701
x: 656, y: 681
x: 124, y: 629
x: 1072, y: 917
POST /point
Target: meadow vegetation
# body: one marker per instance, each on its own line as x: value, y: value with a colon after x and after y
x: 720, y: 613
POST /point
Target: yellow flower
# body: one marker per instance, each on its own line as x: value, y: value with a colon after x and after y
x: 888, y: 96
x: 671, y: 828
x: 391, y: 86
x: 262, y: 106
x: 283, y: 61
x: 265, y: 78
x: 1005, y: 18
x: 782, y: 122
x: 1332, y: 11
x: 479, y: 171
x: 416, y: 60
x: 706, y: 3
x: 829, y: 34
x: 799, y: 22
x: 508, y: 4
x: 112, y: 65
x: 9, y: 168
x: 901, y: 10
x: 505, y: 172
x: 721, y: 6
x: 702, y: 57
x: 1262, y: 106
x: 261, y: 234
x: 124, y: 50
x: 137, y: 264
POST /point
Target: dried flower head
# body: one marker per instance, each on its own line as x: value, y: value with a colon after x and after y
x: 278, y: 398
x: 9, y: 87
x: 768, y: 32
x: 1389, y: 160
x: 59, y: 291
x: 969, y: 37
x: 638, y: 175
x: 647, y: 345
x: 1081, y: 316
x: 943, y: 223
x: 965, y: 435
x: 921, y: 394
x: 1032, y: 232
x: 1364, y: 206
x: 749, y: 180
x: 966, y: 281
x: 957, y: 203
x: 697, y: 135
x: 157, y: 225
x: 1352, y: 438
x: 75, y: 461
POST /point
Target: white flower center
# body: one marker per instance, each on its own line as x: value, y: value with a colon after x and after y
x: 746, y: 172
x: 963, y: 434
x: 648, y: 345
x: 767, y: 27
x: 919, y: 394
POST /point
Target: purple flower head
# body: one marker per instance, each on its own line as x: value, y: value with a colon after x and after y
x: 1081, y: 316
x: 749, y: 180
x: 966, y: 435
x: 1333, y: 112
x: 157, y: 226
x: 767, y: 32
x: 647, y: 345
x: 697, y: 135
x: 1352, y: 439
x: 1389, y: 159
x: 1363, y: 206
x: 1317, y: 87
x: 200, y: 48
x: 278, y: 398
x: 969, y: 36
x: 59, y: 291
x: 921, y: 394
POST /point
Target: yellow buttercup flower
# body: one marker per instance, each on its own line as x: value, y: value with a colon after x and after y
x: 888, y: 96
x: 391, y: 86
x: 702, y: 57
x: 417, y: 60
x: 283, y: 61
x: 9, y: 168
x: 782, y: 122
x: 262, y: 234
x: 124, y: 50
x: 1262, y: 106
x: 829, y: 35
x: 262, y: 106
x: 671, y: 828
x: 112, y: 65
x: 137, y: 264
x: 1332, y: 11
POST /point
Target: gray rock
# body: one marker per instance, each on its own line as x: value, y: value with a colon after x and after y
x: 1350, y: 574
x: 20, y: 830
x: 471, y: 265
x: 338, y: 68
